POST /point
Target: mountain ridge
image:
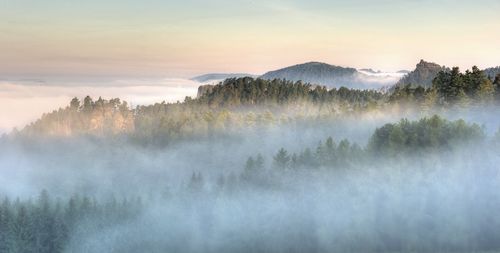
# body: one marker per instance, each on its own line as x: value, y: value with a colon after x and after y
x: 333, y: 76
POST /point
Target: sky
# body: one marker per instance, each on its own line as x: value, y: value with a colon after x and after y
x: 143, y: 51
x: 69, y: 39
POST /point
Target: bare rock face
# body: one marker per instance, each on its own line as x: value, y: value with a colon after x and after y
x: 423, y: 74
x: 203, y: 89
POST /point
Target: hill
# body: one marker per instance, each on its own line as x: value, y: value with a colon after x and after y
x: 315, y: 73
x: 240, y: 102
x: 218, y: 110
x: 332, y: 76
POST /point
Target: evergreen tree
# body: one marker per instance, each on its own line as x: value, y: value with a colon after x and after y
x: 259, y: 162
x: 281, y: 159
x: 196, y: 182
x: 6, y: 219
x: 23, y: 231
x: 74, y: 104
x: 88, y: 104
x: 250, y: 166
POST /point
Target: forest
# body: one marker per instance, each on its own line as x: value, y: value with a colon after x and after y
x: 238, y: 103
x: 47, y: 225
x: 252, y: 165
x: 321, y: 175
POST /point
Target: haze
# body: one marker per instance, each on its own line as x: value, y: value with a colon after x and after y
x: 180, y: 39
x: 249, y: 126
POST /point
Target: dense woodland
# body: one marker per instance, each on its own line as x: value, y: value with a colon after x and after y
x: 48, y: 225
x: 403, y: 139
x: 451, y: 88
x: 342, y: 166
x: 246, y: 102
x: 54, y: 225
x: 231, y: 105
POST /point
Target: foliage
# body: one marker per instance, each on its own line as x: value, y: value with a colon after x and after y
x: 242, y: 103
x: 231, y: 105
x: 422, y: 76
x: 425, y: 134
x: 450, y: 88
x: 248, y: 91
x: 48, y: 225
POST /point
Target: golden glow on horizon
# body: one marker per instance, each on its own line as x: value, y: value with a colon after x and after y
x: 254, y: 43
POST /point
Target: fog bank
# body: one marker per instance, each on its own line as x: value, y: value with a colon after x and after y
x: 25, y: 101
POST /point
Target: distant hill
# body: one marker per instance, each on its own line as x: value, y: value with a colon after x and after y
x: 315, y: 73
x: 423, y: 74
x: 334, y: 76
x: 219, y: 77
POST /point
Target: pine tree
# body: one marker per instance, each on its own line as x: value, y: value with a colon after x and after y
x: 6, y: 219
x: 250, y: 166
x: 282, y: 159
x: 44, y: 223
x: 196, y: 182
x: 259, y: 162
x: 74, y: 104
x: 22, y: 229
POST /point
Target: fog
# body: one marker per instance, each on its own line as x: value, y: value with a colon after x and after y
x: 376, y: 80
x: 94, y: 165
x: 381, y: 208
x: 424, y: 202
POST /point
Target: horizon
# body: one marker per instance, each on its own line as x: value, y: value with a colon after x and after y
x: 249, y: 126
x: 152, y: 39
x: 25, y: 100
x: 97, y: 80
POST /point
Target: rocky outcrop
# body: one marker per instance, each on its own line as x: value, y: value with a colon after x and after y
x: 423, y: 75
x: 203, y: 89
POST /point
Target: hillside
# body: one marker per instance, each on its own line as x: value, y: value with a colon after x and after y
x: 315, y: 73
x: 240, y: 102
x: 217, y: 110
x: 333, y: 76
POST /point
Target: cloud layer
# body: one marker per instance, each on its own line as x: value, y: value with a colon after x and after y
x: 23, y: 102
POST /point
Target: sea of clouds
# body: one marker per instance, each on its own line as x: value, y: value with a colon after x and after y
x: 22, y: 102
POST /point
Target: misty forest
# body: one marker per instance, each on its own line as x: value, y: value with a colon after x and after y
x: 262, y: 165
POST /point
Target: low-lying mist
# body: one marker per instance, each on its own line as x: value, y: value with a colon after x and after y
x: 428, y: 204
x: 196, y: 196
x: 95, y: 165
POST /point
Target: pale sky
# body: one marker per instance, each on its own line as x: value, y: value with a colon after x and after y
x: 164, y: 38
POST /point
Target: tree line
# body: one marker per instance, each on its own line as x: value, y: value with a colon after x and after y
x: 220, y: 111
x: 48, y: 225
x: 239, y: 103
x: 450, y: 88
x: 404, y: 138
